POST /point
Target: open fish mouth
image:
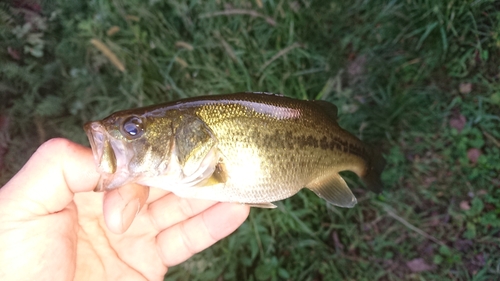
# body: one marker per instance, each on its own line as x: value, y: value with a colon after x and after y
x: 104, y: 155
x: 110, y: 157
x: 96, y: 140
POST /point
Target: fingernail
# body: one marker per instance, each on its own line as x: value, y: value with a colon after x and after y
x: 129, y: 213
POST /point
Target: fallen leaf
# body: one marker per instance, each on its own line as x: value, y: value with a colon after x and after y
x: 356, y: 68
x: 463, y: 245
x: 28, y: 5
x: 418, y: 265
x: 336, y: 241
x: 434, y: 221
x: 465, y: 88
x: 464, y: 205
x: 14, y: 53
x: 184, y: 45
x: 426, y: 249
x: 475, y: 263
x: 112, y: 30
x: 482, y: 192
x: 108, y: 53
x: 295, y: 6
x: 349, y: 108
x: 182, y: 62
x: 489, y: 207
x: 480, y: 259
x: 473, y: 155
x: 429, y: 180
x: 133, y: 18
x: 458, y: 122
x: 495, y: 182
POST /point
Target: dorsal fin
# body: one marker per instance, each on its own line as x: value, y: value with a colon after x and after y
x: 266, y: 93
x: 329, y: 108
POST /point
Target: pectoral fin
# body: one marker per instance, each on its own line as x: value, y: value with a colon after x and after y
x: 220, y: 173
x: 333, y: 189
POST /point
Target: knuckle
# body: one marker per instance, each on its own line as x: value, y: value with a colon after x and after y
x: 187, y: 241
x: 185, y: 208
x: 154, y: 222
x: 59, y: 143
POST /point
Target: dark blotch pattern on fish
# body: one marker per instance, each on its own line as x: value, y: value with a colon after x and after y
x: 289, y: 140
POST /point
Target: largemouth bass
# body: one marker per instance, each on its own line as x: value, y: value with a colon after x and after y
x: 252, y: 148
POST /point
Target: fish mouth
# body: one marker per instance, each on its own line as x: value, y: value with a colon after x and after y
x: 110, y: 157
x: 104, y: 155
x: 98, y: 142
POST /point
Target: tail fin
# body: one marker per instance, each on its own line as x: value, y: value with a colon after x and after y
x: 376, y: 165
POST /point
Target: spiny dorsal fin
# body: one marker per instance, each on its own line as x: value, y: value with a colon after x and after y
x: 333, y: 189
x: 329, y: 108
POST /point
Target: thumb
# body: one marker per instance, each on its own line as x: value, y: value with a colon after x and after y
x: 47, y: 182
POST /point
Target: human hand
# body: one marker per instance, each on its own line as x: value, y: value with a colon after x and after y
x: 51, y: 228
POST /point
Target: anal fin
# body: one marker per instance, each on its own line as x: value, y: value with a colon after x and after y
x: 333, y: 189
x: 267, y: 205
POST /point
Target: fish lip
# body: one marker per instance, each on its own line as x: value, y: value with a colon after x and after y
x: 97, y: 137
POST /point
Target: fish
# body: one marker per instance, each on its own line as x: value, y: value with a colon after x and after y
x: 253, y: 148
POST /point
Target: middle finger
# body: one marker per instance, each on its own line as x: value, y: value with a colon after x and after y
x: 171, y: 209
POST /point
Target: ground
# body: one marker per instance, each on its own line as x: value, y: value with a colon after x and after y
x: 417, y: 79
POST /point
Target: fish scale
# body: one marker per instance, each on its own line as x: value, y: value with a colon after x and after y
x: 252, y: 148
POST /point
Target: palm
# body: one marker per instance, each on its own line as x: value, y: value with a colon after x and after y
x: 167, y: 231
x: 39, y: 244
x: 133, y: 254
x: 53, y: 228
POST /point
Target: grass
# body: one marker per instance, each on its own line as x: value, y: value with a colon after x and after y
x: 418, y: 79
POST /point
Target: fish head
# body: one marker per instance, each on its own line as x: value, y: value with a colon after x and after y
x: 127, y: 147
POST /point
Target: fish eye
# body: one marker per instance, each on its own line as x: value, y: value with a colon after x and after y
x: 132, y: 128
